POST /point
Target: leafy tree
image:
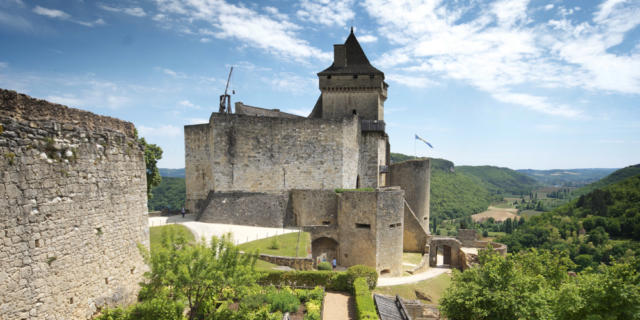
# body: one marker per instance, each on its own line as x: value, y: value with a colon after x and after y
x: 152, y: 153
x: 204, y: 277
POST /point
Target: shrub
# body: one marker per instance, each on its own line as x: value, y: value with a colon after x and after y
x: 365, y: 307
x: 283, y: 301
x: 337, y: 281
x: 313, y: 311
x: 369, y: 273
x: 324, y: 266
x: 275, y: 244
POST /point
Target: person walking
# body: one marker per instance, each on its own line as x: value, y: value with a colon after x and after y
x: 182, y: 212
x: 333, y: 263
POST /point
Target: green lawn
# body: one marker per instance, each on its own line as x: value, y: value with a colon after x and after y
x: 155, y: 233
x: 433, y: 287
x: 262, y: 265
x: 286, y: 242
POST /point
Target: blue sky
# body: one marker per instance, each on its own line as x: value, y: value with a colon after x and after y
x: 515, y: 83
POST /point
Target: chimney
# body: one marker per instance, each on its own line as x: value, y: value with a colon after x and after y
x: 339, y: 55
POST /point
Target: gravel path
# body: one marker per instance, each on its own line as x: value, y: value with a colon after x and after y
x: 338, y: 306
x: 430, y: 273
x: 240, y: 234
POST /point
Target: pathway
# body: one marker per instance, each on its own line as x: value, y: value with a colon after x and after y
x: 338, y: 306
x: 429, y: 273
x: 240, y: 234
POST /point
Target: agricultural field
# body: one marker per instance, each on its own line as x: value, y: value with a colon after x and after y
x: 431, y: 288
x: 498, y: 214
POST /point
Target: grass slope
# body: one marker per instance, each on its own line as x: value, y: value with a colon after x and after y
x: 287, y: 245
x: 433, y: 287
x: 501, y: 180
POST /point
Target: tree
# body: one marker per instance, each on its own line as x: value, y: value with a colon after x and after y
x: 152, y: 153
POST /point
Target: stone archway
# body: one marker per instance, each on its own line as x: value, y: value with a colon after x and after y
x: 449, y: 247
x: 324, y: 249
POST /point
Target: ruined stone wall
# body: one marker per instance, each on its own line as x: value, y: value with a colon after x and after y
x: 468, y: 237
x: 292, y: 262
x: 357, y: 213
x: 246, y: 208
x: 370, y: 229
x: 389, y: 230
x: 72, y: 210
x: 198, y: 169
x: 264, y: 154
x: 413, y: 177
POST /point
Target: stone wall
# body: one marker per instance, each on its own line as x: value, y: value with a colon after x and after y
x: 292, y: 262
x: 314, y: 207
x: 73, y: 204
x: 467, y: 237
x: 245, y: 208
x: 198, y: 165
x: 372, y: 155
x: 413, y: 177
x: 389, y: 227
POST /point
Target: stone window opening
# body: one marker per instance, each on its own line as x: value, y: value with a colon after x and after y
x: 385, y: 271
x: 371, y: 76
x: 326, y: 223
x: 37, y: 243
x: 395, y: 225
x: 328, y: 77
x: 71, y: 300
x: 363, y: 226
x: 355, y: 76
x: 133, y: 269
x: 106, y: 280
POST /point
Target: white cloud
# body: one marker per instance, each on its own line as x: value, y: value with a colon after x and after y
x: 197, y: 120
x: 326, y: 12
x: 548, y: 7
x: 498, y: 49
x: 51, y: 13
x: 230, y: 21
x: 134, y: 11
x: 168, y: 130
x: 299, y: 112
x: 172, y: 73
x: 3, y: 64
x: 411, y: 81
x: 188, y: 104
x: 97, y: 22
x: 367, y: 38
x: 290, y: 82
x: 67, y: 100
x: 205, y: 40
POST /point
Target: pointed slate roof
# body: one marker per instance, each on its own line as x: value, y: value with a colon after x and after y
x: 357, y: 62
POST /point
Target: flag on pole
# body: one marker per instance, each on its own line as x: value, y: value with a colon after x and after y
x: 425, y: 141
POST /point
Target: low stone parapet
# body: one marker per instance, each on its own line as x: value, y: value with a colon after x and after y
x: 292, y: 262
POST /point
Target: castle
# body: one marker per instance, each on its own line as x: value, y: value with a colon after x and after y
x: 328, y: 173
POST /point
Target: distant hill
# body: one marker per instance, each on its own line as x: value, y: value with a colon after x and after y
x: 501, y: 180
x: 172, y: 173
x: 614, y: 177
x: 170, y: 194
x: 567, y: 177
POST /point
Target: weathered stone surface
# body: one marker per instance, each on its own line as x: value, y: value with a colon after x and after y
x: 246, y: 208
x: 72, y: 210
x: 292, y: 262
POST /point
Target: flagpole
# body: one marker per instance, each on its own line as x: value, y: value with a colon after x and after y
x: 415, y: 153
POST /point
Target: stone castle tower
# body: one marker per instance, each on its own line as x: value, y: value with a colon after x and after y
x: 351, y: 85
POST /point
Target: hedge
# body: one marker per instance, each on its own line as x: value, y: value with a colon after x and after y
x: 365, y: 307
x: 331, y: 280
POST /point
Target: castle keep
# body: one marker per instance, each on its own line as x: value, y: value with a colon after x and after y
x: 268, y: 168
x: 73, y: 208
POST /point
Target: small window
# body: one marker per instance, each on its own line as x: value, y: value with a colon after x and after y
x: 355, y: 76
x: 363, y: 226
x: 37, y: 243
x: 326, y: 223
x: 70, y: 300
x: 385, y: 271
x: 426, y: 218
x: 106, y: 280
x: 392, y: 226
x: 371, y: 76
x: 328, y: 77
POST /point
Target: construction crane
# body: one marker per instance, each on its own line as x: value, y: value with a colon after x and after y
x: 225, y: 99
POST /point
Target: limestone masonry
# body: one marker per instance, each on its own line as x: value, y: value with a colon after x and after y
x: 269, y: 168
x: 73, y: 210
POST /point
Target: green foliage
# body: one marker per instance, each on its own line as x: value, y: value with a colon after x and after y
x: 10, y: 156
x: 536, y: 285
x: 283, y: 300
x: 275, y: 244
x: 609, y: 216
x: 614, y: 177
x: 169, y: 194
x: 325, y: 266
x: 362, y: 271
x: 365, y: 307
x: 156, y: 234
x: 567, y: 177
x: 455, y: 195
x: 152, y: 153
x: 313, y: 310
x: 336, y: 281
